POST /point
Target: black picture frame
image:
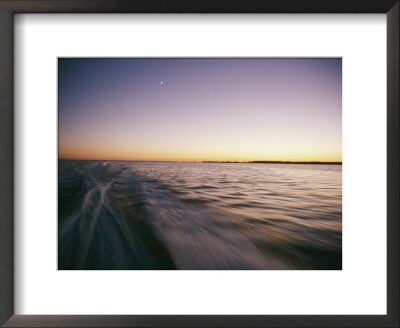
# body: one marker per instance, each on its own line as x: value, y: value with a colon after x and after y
x: 10, y: 7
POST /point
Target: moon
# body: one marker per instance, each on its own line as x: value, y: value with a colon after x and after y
x: 162, y: 82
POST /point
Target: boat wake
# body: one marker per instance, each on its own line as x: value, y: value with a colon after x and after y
x: 111, y: 217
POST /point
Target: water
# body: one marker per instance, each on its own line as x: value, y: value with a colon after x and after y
x: 160, y: 215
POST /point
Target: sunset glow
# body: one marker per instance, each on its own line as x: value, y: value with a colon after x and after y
x: 200, y: 109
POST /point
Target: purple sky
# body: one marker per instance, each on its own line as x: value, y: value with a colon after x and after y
x: 200, y: 109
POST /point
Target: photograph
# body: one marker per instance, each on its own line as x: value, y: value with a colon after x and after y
x: 203, y: 163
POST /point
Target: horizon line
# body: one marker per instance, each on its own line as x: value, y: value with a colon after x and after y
x: 211, y: 161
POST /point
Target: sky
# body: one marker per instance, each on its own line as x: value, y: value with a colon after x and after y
x: 200, y: 109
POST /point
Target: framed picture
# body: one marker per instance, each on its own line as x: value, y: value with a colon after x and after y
x: 181, y: 163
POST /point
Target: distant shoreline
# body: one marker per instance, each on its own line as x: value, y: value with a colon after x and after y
x: 277, y: 162
x: 216, y: 162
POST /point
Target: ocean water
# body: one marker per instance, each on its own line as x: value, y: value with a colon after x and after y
x: 201, y: 216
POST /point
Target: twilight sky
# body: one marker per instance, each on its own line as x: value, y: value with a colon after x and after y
x: 200, y: 109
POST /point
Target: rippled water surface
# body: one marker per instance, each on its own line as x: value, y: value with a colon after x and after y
x: 160, y: 215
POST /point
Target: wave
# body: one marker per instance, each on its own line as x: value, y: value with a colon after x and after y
x: 112, y: 216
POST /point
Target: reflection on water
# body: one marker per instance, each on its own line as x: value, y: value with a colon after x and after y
x: 158, y: 215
